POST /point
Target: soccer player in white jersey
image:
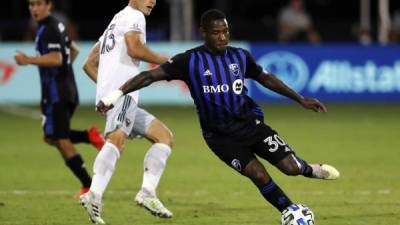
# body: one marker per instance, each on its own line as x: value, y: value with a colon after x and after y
x: 113, y: 60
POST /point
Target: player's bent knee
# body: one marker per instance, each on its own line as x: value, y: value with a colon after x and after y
x: 256, y: 172
x: 258, y: 178
x: 164, y: 136
x: 291, y: 169
x: 49, y: 141
x: 168, y: 138
x: 117, y: 138
x: 289, y: 166
x: 159, y: 133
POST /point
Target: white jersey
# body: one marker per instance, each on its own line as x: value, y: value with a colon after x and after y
x: 116, y: 66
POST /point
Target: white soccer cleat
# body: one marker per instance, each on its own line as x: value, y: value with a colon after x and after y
x: 325, y: 171
x: 153, y: 205
x: 92, y: 207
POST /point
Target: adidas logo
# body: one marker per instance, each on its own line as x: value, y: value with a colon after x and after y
x: 207, y: 73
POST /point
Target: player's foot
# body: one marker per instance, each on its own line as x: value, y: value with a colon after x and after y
x: 93, y: 207
x: 96, y: 138
x: 325, y: 171
x: 153, y: 205
x: 81, y: 192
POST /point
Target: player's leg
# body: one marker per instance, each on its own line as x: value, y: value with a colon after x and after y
x: 75, y: 162
x: 238, y: 155
x: 294, y: 165
x: 103, y: 169
x: 106, y: 160
x: 274, y: 149
x: 155, y: 160
x: 256, y: 172
x: 118, y: 126
x: 56, y: 128
x: 91, y: 135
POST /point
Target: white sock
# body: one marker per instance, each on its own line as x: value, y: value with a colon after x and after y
x: 154, y: 165
x: 103, y: 168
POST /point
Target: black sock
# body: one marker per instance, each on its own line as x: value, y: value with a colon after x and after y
x: 274, y: 195
x: 306, y: 170
x: 79, y: 136
x: 76, y: 164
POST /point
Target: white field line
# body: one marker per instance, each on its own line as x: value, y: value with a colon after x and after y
x: 21, y: 111
x: 197, y: 193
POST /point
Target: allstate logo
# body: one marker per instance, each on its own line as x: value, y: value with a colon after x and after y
x: 288, y: 67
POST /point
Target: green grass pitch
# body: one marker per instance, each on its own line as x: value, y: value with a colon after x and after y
x: 362, y: 141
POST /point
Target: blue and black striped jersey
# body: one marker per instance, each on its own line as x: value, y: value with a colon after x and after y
x: 58, y: 82
x: 216, y: 84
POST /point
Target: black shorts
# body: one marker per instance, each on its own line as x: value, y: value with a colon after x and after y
x: 238, y: 152
x: 56, y: 119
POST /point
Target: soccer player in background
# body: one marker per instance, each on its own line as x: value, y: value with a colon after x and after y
x: 232, y: 123
x: 56, y: 52
x: 113, y: 60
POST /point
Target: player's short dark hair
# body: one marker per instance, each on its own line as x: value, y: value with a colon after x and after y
x: 46, y: 1
x: 211, y: 15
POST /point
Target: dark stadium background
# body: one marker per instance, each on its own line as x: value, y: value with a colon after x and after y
x: 251, y: 20
x: 359, y: 135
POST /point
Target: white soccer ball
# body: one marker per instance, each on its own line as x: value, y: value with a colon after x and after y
x: 297, y: 214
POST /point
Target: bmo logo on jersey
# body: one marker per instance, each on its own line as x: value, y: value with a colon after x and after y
x: 216, y: 89
x: 237, y: 88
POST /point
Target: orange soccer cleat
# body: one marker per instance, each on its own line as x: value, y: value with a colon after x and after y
x: 96, y: 138
x: 83, y: 191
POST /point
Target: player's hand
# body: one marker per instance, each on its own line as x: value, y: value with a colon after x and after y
x: 108, y: 102
x: 313, y: 104
x: 102, y: 108
x: 21, y: 59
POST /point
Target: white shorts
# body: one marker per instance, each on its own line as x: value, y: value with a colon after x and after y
x: 128, y: 117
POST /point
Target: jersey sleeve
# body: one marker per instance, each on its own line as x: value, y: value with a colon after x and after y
x: 134, y: 22
x: 253, y: 70
x: 51, y: 38
x: 177, y: 67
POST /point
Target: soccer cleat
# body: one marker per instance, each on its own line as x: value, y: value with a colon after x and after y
x: 96, y: 138
x: 92, y: 207
x: 153, y: 205
x: 325, y: 171
x: 81, y: 192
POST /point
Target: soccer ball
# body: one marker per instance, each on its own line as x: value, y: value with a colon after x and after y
x: 297, y: 214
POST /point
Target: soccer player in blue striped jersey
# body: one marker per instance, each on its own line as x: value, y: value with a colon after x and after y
x: 232, y: 123
x: 55, y: 54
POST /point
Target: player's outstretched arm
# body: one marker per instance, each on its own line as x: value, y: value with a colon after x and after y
x: 143, y: 79
x: 91, y: 64
x: 271, y: 82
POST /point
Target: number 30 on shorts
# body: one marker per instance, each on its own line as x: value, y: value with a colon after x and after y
x: 273, y: 142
